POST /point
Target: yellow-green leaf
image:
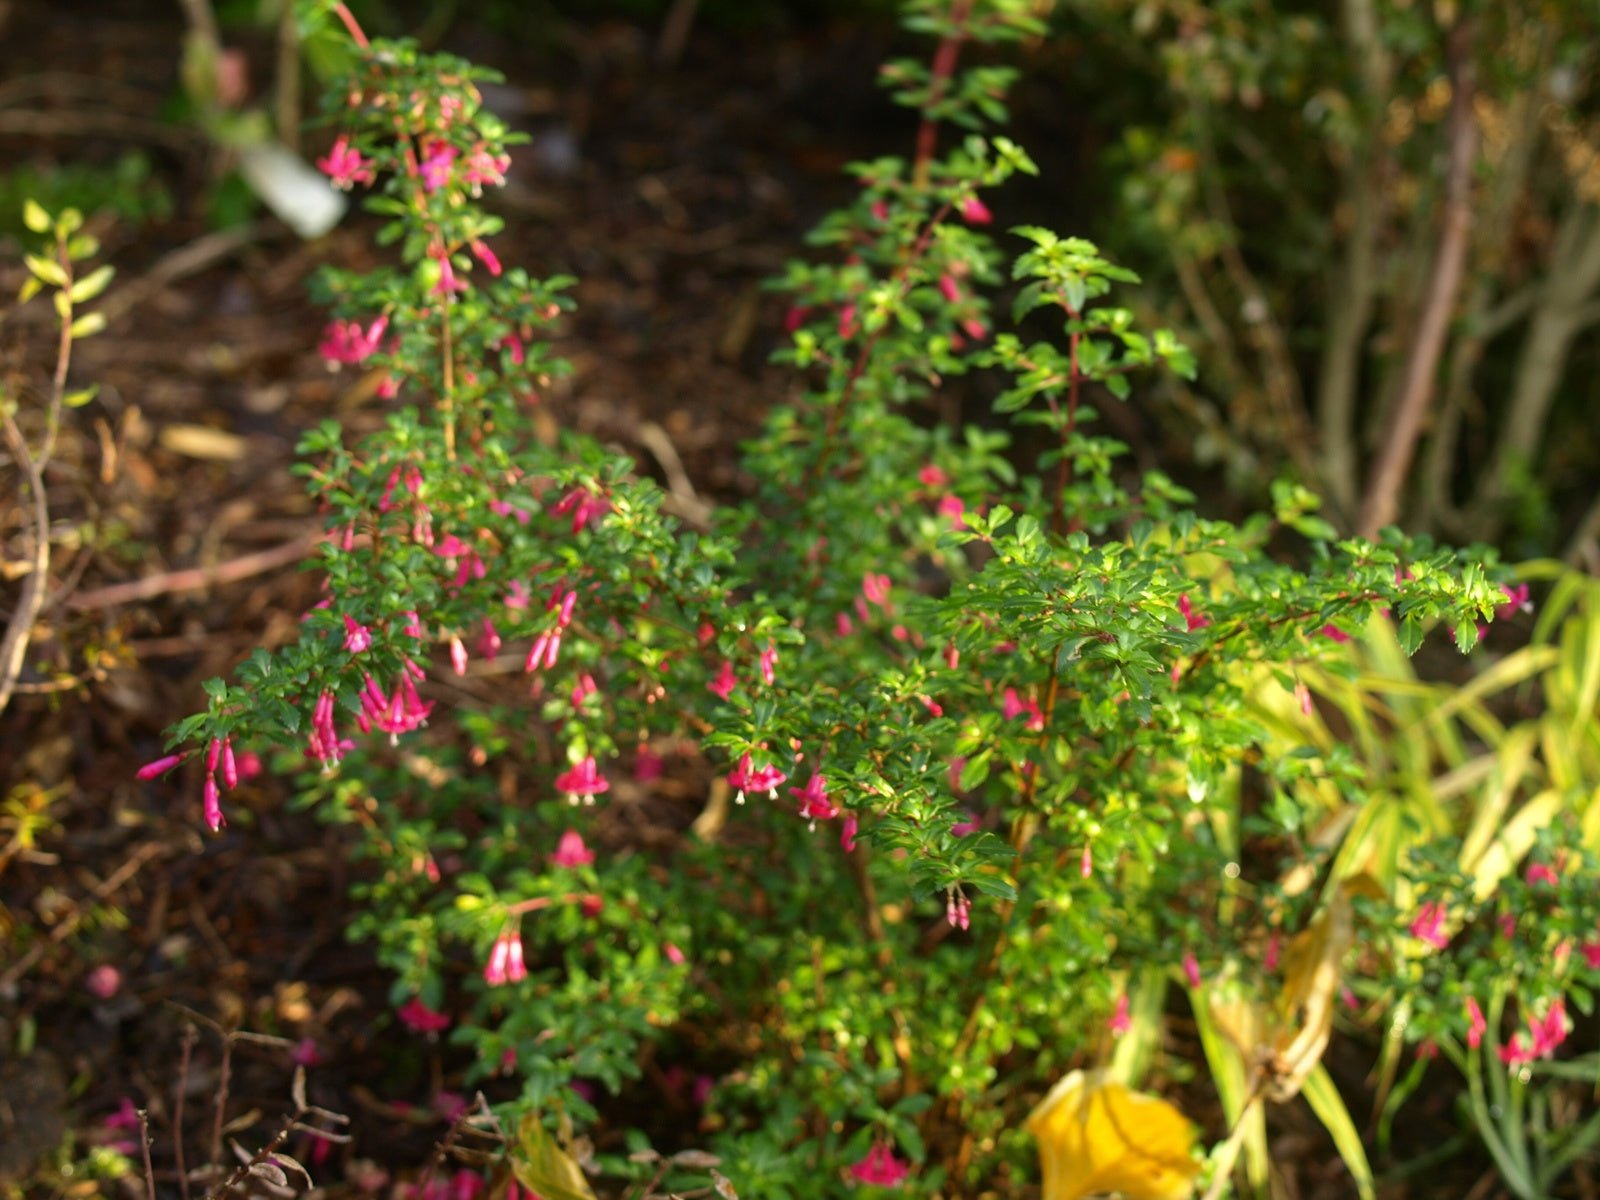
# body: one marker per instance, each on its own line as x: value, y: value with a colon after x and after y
x: 81, y: 397
x: 92, y: 284
x: 45, y: 269
x: 29, y: 289
x: 35, y: 217
x: 1324, y: 1099
x: 88, y: 325
x: 544, y: 1168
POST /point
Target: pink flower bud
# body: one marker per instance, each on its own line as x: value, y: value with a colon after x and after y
x: 213, y: 805
x: 230, y: 768
x: 159, y: 767
x: 974, y: 211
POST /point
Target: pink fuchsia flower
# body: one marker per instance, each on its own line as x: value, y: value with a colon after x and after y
x: 1428, y: 925
x: 230, y: 765
x: 848, y: 828
x: 1551, y: 1030
x: 746, y: 777
x: 1191, y: 968
x: 213, y: 805
x: 448, y: 284
x: 1591, y: 954
x: 485, y: 168
x: 458, y: 656
x: 814, y: 803
x: 464, y: 1184
x: 348, y: 343
x: 769, y: 661
x: 1274, y: 948
x: 722, y: 686
x: 1120, y: 1021
x: 673, y: 954
x: 1013, y: 705
x: 1516, y: 601
x: 932, y: 476
x: 648, y: 765
x: 974, y: 211
x: 953, y: 507
x: 1086, y: 865
x: 1335, y: 634
x: 505, y: 963
x: 571, y: 851
x: 876, y: 589
x: 305, y: 1053
x: 967, y: 824
x: 357, y: 637
x: 419, y: 1018
x: 1476, y: 1025
x: 583, y: 782
x: 1191, y: 618
x: 1541, y: 873
x: 488, y: 639
x: 586, y: 507
x: 126, y: 1118
x: 435, y: 167
x: 957, y: 909
x: 160, y: 766
x: 481, y: 252
x: 949, y: 288
x: 880, y: 1167
x: 344, y: 165
x: 847, y: 321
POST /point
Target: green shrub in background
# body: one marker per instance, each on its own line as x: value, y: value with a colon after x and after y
x: 1377, y: 223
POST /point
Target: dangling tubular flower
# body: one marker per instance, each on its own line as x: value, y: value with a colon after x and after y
x: 571, y: 851
x: 1191, y: 618
x: 357, y: 637
x: 213, y: 805
x: 344, y: 165
x: 722, y: 686
x: 957, y: 909
x: 583, y: 782
x: 769, y: 660
x: 879, y: 1167
x: 230, y: 767
x: 814, y: 803
x: 1476, y: 1025
x: 418, y: 1017
x: 747, y: 777
x: 1428, y: 925
x: 1120, y: 1021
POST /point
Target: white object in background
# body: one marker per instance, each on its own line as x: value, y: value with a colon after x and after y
x: 297, y: 193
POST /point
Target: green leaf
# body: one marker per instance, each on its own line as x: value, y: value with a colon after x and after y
x: 35, y: 217
x: 1324, y: 1099
x: 81, y: 397
x: 1466, y: 634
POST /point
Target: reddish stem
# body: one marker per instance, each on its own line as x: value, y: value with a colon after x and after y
x: 351, y: 24
x: 940, y: 71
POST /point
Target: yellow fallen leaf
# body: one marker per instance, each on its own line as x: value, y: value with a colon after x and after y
x: 1097, y: 1136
